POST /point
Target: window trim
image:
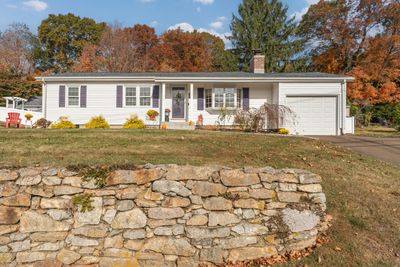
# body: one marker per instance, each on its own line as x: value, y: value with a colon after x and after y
x: 150, y: 96
x: 67, y: 96
x: 138, y: 97
x: 124, y: 94
x: 213, y: 107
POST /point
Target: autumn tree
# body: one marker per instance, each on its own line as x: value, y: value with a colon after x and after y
x: 16, y: 44
x: 120, y: 50
x: 62, y: 39
x: 265, y: 25
x: 378, y: 71
x: 359, y: 38
x: 182, y: 51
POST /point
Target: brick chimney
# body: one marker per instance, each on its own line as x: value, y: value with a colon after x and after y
x: 257, y: 63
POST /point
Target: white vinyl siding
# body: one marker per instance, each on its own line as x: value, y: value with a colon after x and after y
x: 101, y: 100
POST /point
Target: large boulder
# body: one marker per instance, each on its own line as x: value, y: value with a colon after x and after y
x: 299, y: 221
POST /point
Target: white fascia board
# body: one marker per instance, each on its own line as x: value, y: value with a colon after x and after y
x: 95, y: 79
x: 196, y: 79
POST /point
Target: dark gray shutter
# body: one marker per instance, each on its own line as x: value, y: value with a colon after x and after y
x: 119, y: 96
x: 246, y: 98
x: 200, y: 98
x: 83, y: 96
x: 61, y: 96
x: 156, y: 96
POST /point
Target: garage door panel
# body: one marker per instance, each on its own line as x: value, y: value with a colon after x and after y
x: 313, y: 115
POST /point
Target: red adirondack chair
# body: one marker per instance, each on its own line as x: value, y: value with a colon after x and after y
x: 13, y: 119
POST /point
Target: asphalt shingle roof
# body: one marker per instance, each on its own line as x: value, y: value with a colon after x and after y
x: 200, y: 75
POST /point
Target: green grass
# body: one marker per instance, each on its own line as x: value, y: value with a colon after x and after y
x: 363, y: 194
x: 378, y: 131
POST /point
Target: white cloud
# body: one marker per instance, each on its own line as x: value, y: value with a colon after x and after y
x: 147, y: 1
x: 154, y: 23
x: 299, y: 14
x: 204, y: 2
x: 217, y: 25
x: 12, y: 6
x: 187, y: 27
x: 184, y: 26
x: 36, y: 5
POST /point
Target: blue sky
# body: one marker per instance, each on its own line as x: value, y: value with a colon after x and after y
x: 206, y: 15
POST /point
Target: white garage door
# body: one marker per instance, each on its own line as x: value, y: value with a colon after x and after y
x: 313, y: 115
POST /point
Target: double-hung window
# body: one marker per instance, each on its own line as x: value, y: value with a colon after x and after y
x: 130, y: 96
x: 218, y: 98
x: 138, y: 96
x: 73, y: 96
x: 145, y: 96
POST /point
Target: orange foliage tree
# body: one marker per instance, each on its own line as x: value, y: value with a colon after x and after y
x: 139, y: 49
x: 359, y: 38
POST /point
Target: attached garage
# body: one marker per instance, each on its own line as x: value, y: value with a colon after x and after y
x: 314, y: 115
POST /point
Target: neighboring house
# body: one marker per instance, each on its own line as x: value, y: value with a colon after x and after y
x: 317, y: 99
x: 34, y: 104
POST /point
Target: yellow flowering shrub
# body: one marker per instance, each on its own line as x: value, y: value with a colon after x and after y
x: 134, y: 123
x: 98, y: 122
x: 63, y: 123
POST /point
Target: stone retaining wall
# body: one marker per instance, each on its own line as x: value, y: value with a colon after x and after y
x: 165, y: 215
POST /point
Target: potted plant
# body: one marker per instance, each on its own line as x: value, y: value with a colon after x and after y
x: 28, y: 116
x: 167, y: 114
x: 152, y: 114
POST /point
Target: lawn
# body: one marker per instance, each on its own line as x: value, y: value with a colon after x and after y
x: 378, y: 131
x: 363, y: 194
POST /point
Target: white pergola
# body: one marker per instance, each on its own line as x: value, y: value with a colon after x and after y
x: 14, y: 102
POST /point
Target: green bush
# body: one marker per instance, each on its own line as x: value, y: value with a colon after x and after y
x: 98, y: 122
x: 63, y: 123
x: 134, y: 123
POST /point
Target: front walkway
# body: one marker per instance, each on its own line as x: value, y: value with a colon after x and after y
x: 382, y: 148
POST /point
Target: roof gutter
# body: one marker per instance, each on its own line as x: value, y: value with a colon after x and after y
x: 197, y: 79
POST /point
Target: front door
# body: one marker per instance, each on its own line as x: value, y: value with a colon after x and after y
x: 178, y: 103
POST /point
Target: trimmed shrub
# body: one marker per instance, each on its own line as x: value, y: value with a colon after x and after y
x: 134, y: 123
x: 283, y: 131
x: 63, y: 123
x: 98, y: 122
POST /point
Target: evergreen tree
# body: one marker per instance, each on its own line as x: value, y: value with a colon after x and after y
x: 264, y: 25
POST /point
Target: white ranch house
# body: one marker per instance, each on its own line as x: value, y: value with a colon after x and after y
x: 317, y: 99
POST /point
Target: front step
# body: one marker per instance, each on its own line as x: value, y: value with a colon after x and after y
x: 179, y: 125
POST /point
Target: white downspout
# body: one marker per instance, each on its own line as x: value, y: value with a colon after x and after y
x: 162, y: 104
x: 44, y: 99
x: 343, y: 107
x: 191, y: 103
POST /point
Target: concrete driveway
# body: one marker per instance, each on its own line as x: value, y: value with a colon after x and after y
x: 382, y: 148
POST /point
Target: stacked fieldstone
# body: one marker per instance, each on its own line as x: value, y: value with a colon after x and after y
x: 157, y: 215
